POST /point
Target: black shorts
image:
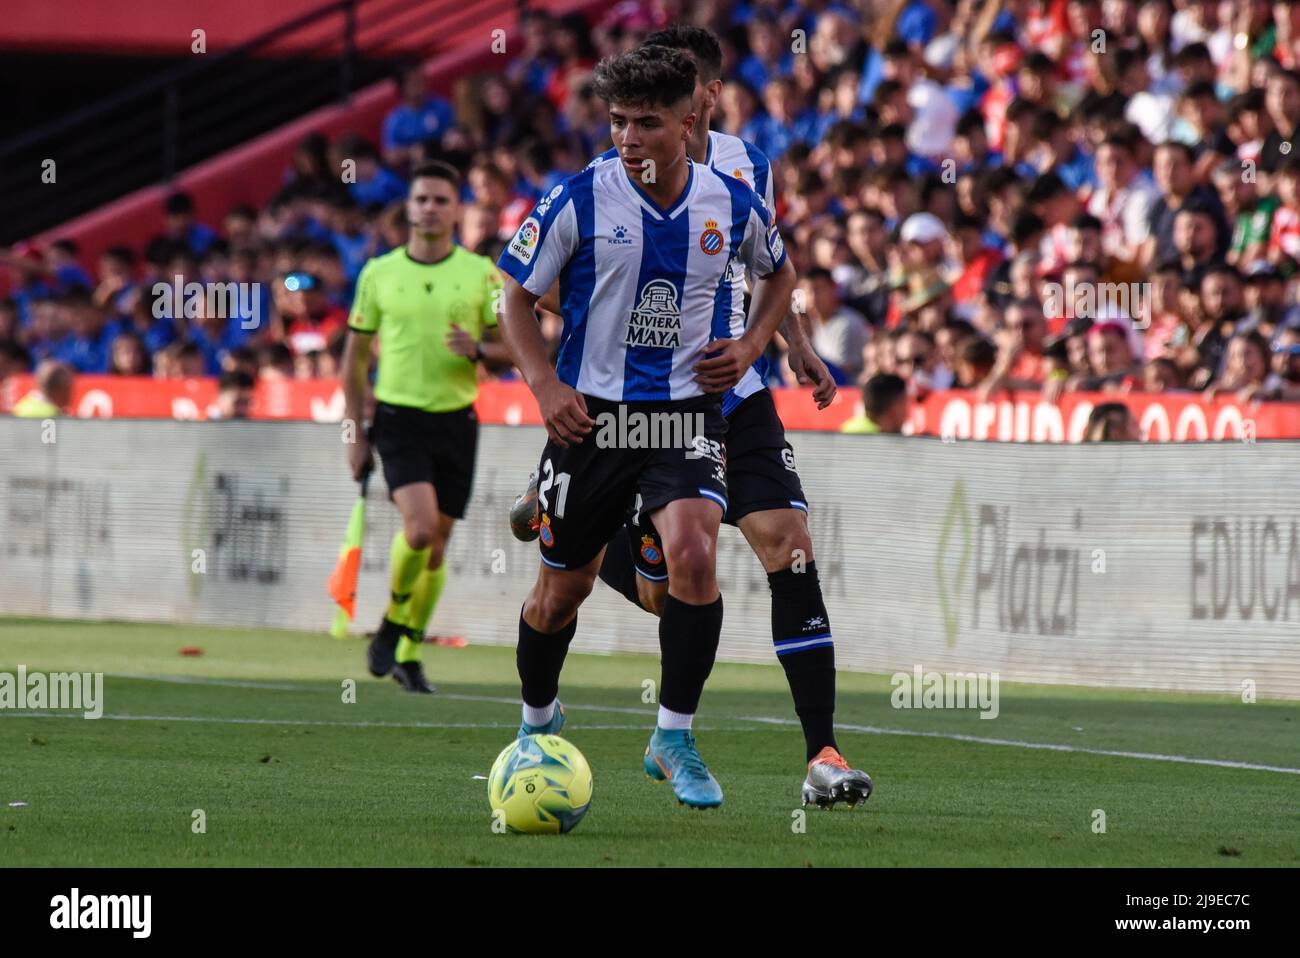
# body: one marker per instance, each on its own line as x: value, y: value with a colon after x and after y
x: 760, y: 476
x: 435, y: 447
x: 584, y: 491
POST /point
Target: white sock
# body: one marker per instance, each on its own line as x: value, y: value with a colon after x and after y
x: 668, y: 719
x: 541, y: 716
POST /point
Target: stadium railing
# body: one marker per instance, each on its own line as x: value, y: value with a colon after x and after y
x: 157, y: 129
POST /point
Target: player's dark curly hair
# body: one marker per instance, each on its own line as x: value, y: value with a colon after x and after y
x: 648, y: 76
x: 702, y: 45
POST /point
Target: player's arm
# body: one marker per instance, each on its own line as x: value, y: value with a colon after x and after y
x: 356, y: 383
x: 763, y: 254
x: 533, y: 262
x: 804, y: 362
x: 355, y: 372
x: 550, y: 300
x: 563, y: 409
x: 727, y: 359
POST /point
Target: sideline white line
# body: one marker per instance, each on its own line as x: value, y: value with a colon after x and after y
x: 222, y: 720
x: 760, y: 719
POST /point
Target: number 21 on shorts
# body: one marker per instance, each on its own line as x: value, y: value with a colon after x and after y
x: 561, y: 485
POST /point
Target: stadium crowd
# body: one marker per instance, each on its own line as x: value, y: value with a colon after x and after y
x: 1051, y: 195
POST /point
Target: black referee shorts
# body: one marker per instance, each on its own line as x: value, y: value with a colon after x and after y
x: 434, y: 447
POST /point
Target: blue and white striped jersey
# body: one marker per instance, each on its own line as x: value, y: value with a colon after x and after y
x: 743, y: 160
x: 643, y: 289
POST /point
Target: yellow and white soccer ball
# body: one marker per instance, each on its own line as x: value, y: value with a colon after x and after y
x: 541, y: 784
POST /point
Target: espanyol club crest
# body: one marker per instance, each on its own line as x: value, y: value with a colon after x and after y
x: 649, y: 552
x: 545, y: 532
x: 712, y: 240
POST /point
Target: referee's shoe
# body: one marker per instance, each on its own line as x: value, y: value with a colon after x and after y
x: 381, y: 655
x: 410, y: 676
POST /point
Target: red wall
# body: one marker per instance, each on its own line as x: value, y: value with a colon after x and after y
x: 140, y: 26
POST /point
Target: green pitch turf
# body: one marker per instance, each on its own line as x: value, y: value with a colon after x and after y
x: 255, y: 733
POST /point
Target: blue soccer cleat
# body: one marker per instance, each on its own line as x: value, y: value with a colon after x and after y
x: 672, y: 755
x: 550, y: 728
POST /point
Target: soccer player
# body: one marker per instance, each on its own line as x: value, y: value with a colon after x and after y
x: 433, y: 305
x: 765, y: 497
x: 650, y: 308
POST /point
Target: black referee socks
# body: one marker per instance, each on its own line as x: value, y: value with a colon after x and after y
x: 801, y: 632
x: 618, y: 569
x: 540, y: 657
x: 688, y: 644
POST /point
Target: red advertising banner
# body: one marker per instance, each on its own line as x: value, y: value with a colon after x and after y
x: 1010, y: 417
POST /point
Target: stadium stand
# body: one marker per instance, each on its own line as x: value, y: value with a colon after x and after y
x: 1029, y: 198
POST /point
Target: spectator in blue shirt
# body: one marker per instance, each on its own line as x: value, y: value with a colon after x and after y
x: 86, y: 348
x: 215, y: 336
x: 375, y: 184
x: 786, y: 122
x: 183, y: 228
x: 768, y: 54
x: 417, y: 118
x: 68, y: 273
x: 533, y: 66
x: 33, y: 284
x: 117, y: 286
x: 916, y: 24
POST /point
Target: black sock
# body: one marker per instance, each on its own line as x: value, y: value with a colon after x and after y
x: 801, y: 632
x: 617, y: 569
x: 688, y: 642
x: 540, y: 657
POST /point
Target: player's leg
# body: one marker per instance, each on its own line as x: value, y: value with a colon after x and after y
x: 634, y: 564
x: 689, y: 629
x: 409, y: 557
x: 399, y: 436
x: 453, y: 443
x: 407, y: 670
x: 684, y: 494
x: 581, y: 498
x: 767, y: 503
x: 547, y: 623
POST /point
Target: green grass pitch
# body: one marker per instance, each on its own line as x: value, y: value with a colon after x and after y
x: 255, y: 733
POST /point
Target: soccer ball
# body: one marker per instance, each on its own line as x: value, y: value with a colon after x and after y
x: 541, y: 783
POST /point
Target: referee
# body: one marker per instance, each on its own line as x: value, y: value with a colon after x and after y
x: 433, y: 306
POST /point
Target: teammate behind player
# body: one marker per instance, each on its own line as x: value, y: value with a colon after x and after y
x: 766, y: 499
x: 433, y: 305
x: 642, y: 248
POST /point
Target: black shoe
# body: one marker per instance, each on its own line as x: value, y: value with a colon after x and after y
x: 383, y: 648
x: 410, y: 676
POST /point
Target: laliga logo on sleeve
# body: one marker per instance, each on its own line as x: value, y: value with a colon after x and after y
x: 712, y: 240
x: 524, y: 245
